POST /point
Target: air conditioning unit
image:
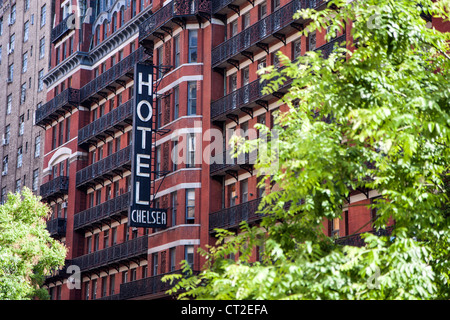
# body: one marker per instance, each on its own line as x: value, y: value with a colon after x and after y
x: 4, y: 173
x: 4, y: 142
x: 64, y: 205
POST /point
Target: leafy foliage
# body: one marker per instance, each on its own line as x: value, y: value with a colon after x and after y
x: 27, y: 252
x: 389, y: 104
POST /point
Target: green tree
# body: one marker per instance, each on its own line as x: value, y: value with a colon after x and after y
x: 27, y: 252
x: 389, y: 104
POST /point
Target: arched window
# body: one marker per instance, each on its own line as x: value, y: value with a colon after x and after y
x: 122, y: 16
x: 97, y: 35
x: 114, y: 22
x: 105, y: 29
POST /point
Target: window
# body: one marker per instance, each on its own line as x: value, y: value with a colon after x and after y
x: 176, y: 102
x: 296, y: 48
x: 106, y: 239
x: 27, y: 5
x: 174, y: 208
x: 114, y: 22
x: 61, y: 133
x: 21, y: 125
x: 189, y: 255
x: 176, y: 45
x: 175, y: 156
x: 41, y: 80
x: 7, y: 134
x: 37, y: 146
x: 26, y: 31
x: 155, y: 263
x: 41, y: 48
x: 160, y: 56
x: 158, y: 162
x: 68, y: 129
x: 8, y: 104
x: 12, y: 15
x: 24, y: 62
x: 43, y: 14
x: 312, y: 41
x: 1, y: 26
x: 96, y: 241
x: 133, y: 8
x: 3, y: 196
x: 125, y: 277
x: 192, y: 98
x: 94, y: 289
x: 18, y: 185
x: 99, y: 196
x: 112, y: 285
x: 86, y: 291
x: 192, y: 46
x: 105, y: 30
x: 172, y: 257
x: 23, y: 93
x: 190, y: 205
x: 246, y: 20
x: 335, y: 227
x: 244, y: 190
x: 35, y: 181
x: 234, y: 28
x: 5, y: 165
x: 103, y: 287
x: 190, y: 161
x: 159, y: 111
x: 114, y: 236
x: 232, y: 194
x: 11, y: 72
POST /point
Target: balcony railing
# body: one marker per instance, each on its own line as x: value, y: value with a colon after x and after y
x: 105, y: 123
x: 57, y: 227
x: 118, y: 161
x: 226, y: 162
x: 256, y: 33
x: 146, y: 286
x: 356, y: 240
x: 101, y: 212
x: 55, y: 188
x: 231, y: 217
x: 251, y: 94
x: 218, y: 5
x: 176, y: 9
x: 134, y: 248
x: 57, y: 106
x: 113, y: 74
x: 60, y: 29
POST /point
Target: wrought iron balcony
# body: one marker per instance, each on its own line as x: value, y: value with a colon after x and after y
x: 227, y: 164
x: 172, y: 15
x: 231, y: 217
x: 56, y: 107
x: 356, y: 240
x: 223, y: 6
x: 258, y: 36
x: 105, y: 168
x: 60, y: 274
x: 113, y: 77
x: 61, y: 29
x: 103, y: 212
x: 57, y: 227
x: 246, y: 98
x: 147, y: 286
x: 107, y: 124
x: 119, y: 253
x: 54, y: 189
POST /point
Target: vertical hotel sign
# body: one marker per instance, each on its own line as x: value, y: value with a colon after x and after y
x: 142, y: 212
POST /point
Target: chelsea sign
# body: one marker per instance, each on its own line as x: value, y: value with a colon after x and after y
x: 141, y: 212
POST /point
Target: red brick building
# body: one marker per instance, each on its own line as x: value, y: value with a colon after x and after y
x: 207, y: 53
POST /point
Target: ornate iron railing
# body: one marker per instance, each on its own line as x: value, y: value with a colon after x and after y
x: 61, y: 29
x: 102, y: 211
x: 174, y: 9
x: 356, y: 240
x: 57, y: 186
x: 226, y: 161
x: 68, y: 98
x: 255, y: 33
x: 57, y: 227
x: 112, y: 74
x: 231, y: 217
x: 218, y: 5
x: 103, y: 167
x: 119, y: 252
x: 106, y: 122
x: 252, y: 92
x: 147, y: 286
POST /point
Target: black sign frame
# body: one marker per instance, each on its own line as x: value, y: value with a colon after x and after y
x: 142, y: 212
